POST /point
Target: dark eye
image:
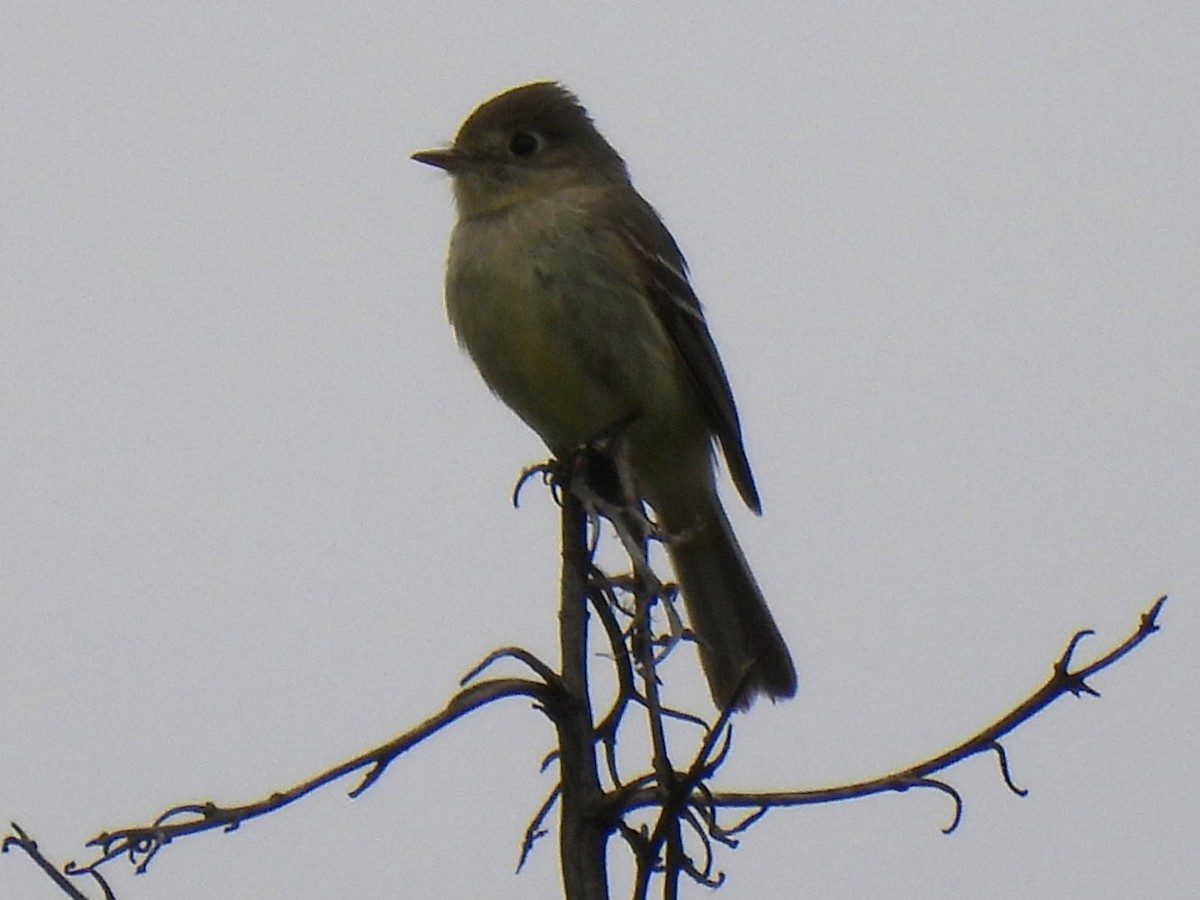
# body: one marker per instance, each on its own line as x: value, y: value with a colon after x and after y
x: 525, y: 143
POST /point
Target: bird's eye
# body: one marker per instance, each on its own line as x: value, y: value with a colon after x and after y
x: 525, y: 143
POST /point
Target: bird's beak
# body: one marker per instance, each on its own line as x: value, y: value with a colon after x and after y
x: 450, y: 159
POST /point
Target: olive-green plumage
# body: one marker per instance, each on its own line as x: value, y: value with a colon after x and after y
x: 572, y: 298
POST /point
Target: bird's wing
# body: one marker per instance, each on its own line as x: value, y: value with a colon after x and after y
x: 664, y: 275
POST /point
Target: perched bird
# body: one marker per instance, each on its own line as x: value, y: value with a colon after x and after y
x: 572, y: 298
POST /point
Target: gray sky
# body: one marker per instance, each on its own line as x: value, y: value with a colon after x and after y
x: 254, y: 509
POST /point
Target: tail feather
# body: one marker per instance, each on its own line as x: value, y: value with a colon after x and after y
x: 741, y: 650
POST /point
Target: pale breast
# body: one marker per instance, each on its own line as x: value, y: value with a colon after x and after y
x: 552, y: 313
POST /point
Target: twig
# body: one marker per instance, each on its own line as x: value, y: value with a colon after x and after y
x: 141, y: 843
x: 1062, y: 681
x: 23, y: 841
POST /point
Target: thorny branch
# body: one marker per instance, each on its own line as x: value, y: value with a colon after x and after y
x: 1062, y: 681
x: 19, y: 839
x: 682, y: 804
x: 142, y: 843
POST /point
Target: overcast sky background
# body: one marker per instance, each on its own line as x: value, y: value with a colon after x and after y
x: 254, y: 507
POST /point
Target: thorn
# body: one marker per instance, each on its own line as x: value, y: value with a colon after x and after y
x: 1065, y: 661
x: 1079, y: 687
x: 1150, y: 618
x: 1004, y: 771
x: 945, y: 789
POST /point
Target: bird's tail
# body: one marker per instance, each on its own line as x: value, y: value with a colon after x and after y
x: 741, y: 649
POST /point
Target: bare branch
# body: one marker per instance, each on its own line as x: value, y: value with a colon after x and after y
x: 24, y: 842
x: 546, y: 673
x: 535, y: 832
x: 1062, y: 681
x: 142, y: 843
x: 583, y: 835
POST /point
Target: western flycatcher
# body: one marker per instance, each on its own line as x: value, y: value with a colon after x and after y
x: 573, y: 300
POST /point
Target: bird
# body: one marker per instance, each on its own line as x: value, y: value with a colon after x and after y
x: 573, y: 300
